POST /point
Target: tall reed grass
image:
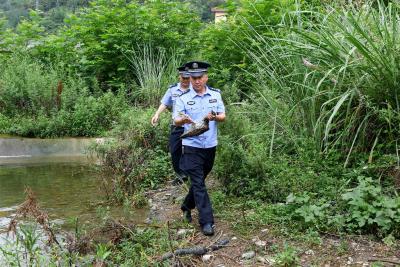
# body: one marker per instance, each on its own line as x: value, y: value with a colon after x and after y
x: 154, y: 70
x: 332, y: 76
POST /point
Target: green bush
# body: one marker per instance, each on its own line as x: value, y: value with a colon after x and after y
x: 27, y: 86
x: 254, y: 160
x: 5, y: 123
x: 92, y: 116
x: 287, y: 257
x: 137, y: 155
x: 254, y: 173
x: 141, y: 245
x: 368, y: 210
x: 89, y: 116
x: 95, y: 41
x: 222, y: 43
x: 362, y: 209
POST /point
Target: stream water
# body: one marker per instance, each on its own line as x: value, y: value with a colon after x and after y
x: 65, y: 181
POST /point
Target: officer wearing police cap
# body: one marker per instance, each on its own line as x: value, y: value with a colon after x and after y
x: 199, y: 151
x: 168, y: 102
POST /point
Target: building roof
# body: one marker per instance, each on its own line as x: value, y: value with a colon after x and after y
x: 218, y: 10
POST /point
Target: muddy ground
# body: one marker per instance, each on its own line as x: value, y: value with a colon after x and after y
x: 262, y: 247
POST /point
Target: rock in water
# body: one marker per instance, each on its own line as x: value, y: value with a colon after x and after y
x: 198, y: 128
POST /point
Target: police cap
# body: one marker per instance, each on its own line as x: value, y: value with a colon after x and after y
x: 184, y: 71
x: 197, y: 68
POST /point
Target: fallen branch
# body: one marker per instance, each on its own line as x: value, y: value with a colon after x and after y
x: 195, y: 250
x: 384, y: 260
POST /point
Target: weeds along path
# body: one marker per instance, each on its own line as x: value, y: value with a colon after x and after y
x: 263, y: 246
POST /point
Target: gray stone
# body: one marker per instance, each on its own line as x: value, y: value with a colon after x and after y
x: 248, y: 255
x: 207, y: 257
x: 181, y: 232
x: 310, y: 252
x: 260, y: 243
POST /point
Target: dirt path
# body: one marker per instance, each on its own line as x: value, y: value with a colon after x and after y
x: 262, y: 247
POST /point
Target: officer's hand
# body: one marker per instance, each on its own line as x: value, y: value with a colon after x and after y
x: 211, y: 116
x: 187, y: 119
x: 155, y: 119
x: 184, y: 118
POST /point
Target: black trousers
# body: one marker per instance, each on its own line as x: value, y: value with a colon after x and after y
x: 175, y: 147
x: 197, y: 164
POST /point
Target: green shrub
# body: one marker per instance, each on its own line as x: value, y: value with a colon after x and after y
x: 254, y: 161
x: 222, y: 43
x: 368, y: 210
x: 92, y: 116
x: 137, y: 155
x: 5, y: 123
x: 362, y: 209
x: 287, y: 257
x: 89, y: 116
x: 137, y: 249
x: 94, y: 41
x: 27, y: 87
x: 312, y: 212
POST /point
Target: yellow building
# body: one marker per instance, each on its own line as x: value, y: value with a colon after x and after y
x: 219, y: 14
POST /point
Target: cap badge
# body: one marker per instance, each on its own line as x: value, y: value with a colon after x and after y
x: 195, y: 65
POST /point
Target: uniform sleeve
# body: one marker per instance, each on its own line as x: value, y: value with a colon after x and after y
x: 167, y: 98
x: 179, y: 107
x: 221, y: 106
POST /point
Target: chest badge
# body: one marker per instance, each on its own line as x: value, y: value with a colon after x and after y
x: 212, y: 101
x: 191, y: 102
x: 175, y: 95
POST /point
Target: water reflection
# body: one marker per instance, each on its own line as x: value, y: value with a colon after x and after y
x: 65, y: 180
x: 65, y: 190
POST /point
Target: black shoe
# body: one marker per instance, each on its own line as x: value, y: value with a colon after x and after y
x: 187, y: 216
x: 208, y: 229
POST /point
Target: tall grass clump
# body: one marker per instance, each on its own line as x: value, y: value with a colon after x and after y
x: 323, y: 108
x: 154, y: 70
x: 26, y: 85
x: 333, y: 77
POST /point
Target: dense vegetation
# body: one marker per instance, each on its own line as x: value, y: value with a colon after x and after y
x: 311, y: 91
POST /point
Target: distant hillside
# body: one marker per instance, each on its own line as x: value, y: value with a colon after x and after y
x: 55, y: 10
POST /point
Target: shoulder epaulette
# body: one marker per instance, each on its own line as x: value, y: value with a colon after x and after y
x: 215, y: 89
x: 187, y: 91
x: 172, y: 85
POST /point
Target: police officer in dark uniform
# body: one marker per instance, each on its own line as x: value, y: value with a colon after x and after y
x: 199, y: 151
x: 168, y: 102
